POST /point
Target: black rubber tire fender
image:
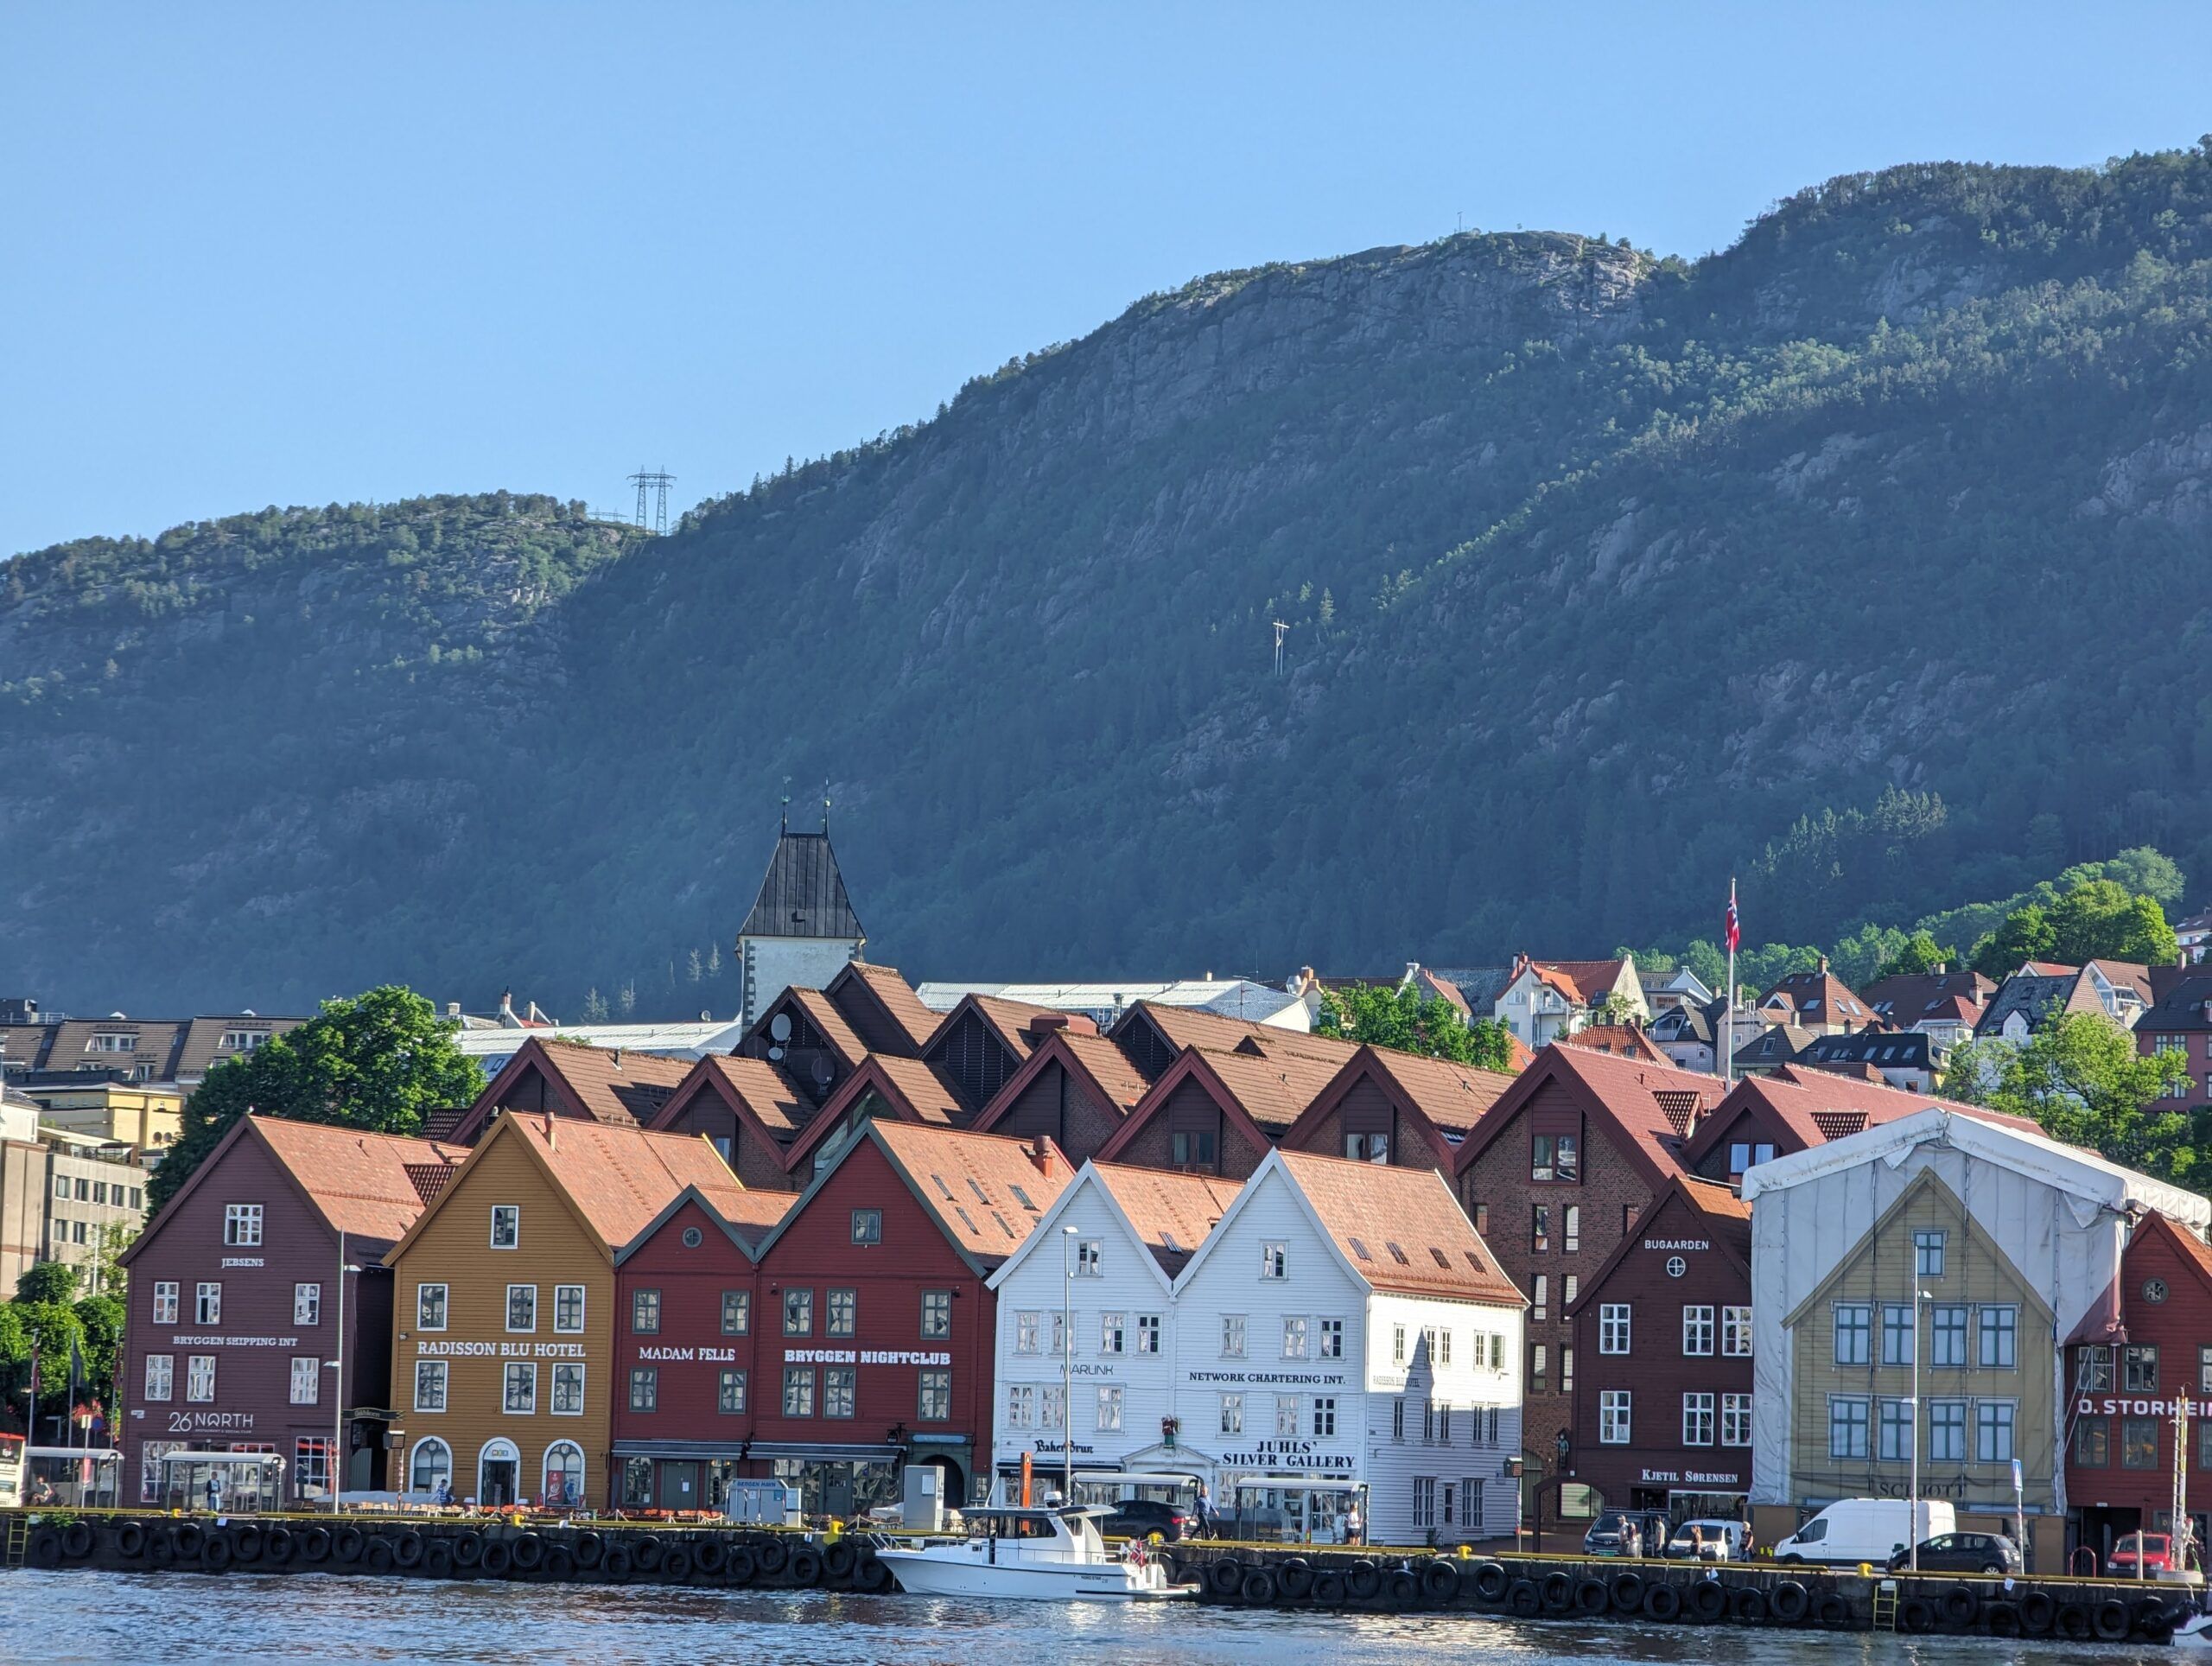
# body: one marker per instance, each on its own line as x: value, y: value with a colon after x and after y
x: 1490, y: 1582
x: 2149, y: 1610
x: 378, y: 1555
x: 742, y: 1566
x: 1747, y: 1605
x: 1707, y: 1601
x: 246, y: 1542
x: 1258, y: 1589
x: 2038, y: 1613
x: 1627, y: 1593
x: 467, y: 1548
x: 161, y: 1547
x: 130, y: 1539
x: 588, y: 1548
x: 1363, y: 1580
x: 499, y: 1559
x: 185, y: 1540
x: 2073, y: 1621
x: 1662, y: 1601
x: 277, y: 1545
x: 711, y: 1556
x: 1225, y: 1578
x: 313, y: 1545
x: 645, y: 1552
x: 874, y: 1573
x: 1402, y: 1589
x: 1558, y: 1592
x: 1835, y: 1612
x: 838, y: 1557
x: 1791, y: 1602
x: 438, y: 1560
x: 772, y: 1556
x: 1294, y: 1579
x: 347, y: 1543
x: 2001, y: 1619
x: 804, y: 1568
x: 1961, y: 1605
x: 78, y: 1540
x: 675, y: 1564
x: 2111, y: 1621
x: 560, y: 1563
x: 1915, y: 1615
x: 46, y: 1549
x: 617, y: 1564
x: 529, y: 1550
x: 1439, y: 1583
x: 1328, y: 1588
x: 218, y: 1552
x: 1523, y: 1597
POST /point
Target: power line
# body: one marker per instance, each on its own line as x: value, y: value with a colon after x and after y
x: 655, y: 481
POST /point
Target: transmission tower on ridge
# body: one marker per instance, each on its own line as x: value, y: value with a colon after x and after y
x: 655, y: 481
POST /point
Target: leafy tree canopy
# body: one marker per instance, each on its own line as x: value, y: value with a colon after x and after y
x: 1917, y: 956
x: 1401, y: 1018
x: 2080, y: 1079
x: 48, y: 1281
x: 2096, y: 920
x: 376, y: 1061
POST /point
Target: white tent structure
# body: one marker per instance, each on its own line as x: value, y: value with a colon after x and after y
x: 2060, y: 1215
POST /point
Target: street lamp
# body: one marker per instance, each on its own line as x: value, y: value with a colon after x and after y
x: 1920, y: 1298
x: 337, y: 1410
x: 1067, y: 1364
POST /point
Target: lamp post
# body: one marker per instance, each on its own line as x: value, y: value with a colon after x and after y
x: 337, y: 1410
x: 1067, y: 1365
x: 1920, y: 1298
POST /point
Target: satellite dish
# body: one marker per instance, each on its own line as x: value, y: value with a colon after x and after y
x: 779, y: 1027
x: 775, y: 1053
x: 822, y: 1069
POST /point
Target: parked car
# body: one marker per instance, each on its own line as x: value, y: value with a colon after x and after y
x: 1964, y: 1553
x: 1626, y: 1533
x: 1140, y: 1518
x: 2155, y: 1550
x: 1709, y: 1538
x: 1865, y: 1530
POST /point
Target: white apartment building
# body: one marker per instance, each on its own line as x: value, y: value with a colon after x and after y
x: 1336, y: 1334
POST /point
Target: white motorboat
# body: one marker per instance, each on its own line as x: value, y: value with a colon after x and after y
x: 1042, y: 1555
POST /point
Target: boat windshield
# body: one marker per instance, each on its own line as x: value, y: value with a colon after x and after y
x: 1011, y: 1525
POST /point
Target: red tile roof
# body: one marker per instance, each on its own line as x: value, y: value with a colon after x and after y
x: 1636, y: 1097
x: 1108, y: 1066
x: 619, y: 1178
x: 1275, y: 1088
x: 1453, y: 1096
x: 1400, y: 1229
x: 988, y: 1192
x: 1626, y: 1040
x: 764, y: 1090
x: 1172, y: 1212
x: 1192, y: 1027
x: 752, y: 1214
x: 1592, y: 979
x: 364, y: 1184
x: 915, y: 1022
x: 822, y: 1012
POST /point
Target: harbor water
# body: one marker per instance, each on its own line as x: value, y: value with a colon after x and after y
x: 80, y: 1615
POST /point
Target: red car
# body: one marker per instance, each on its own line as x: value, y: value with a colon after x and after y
x: 2156, y: 1550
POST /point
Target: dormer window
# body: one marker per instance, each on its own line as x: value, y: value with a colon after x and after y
x: 112, y: 1041
x: 243, y: 1040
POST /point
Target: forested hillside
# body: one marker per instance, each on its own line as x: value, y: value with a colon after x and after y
x: 1867, y: 561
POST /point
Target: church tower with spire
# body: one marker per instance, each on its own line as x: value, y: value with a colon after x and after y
x: 802, y: 931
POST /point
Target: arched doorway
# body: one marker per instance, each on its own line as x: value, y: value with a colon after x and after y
x: 431, y: 1467
x: 951, y: 1483
x: 564, y: 1476
x: 498, y: 1473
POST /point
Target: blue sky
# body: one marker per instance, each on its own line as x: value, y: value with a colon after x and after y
x: 295, y: 253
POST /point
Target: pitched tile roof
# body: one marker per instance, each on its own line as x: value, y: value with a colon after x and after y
x: 620, y: 1178
x: 822, y: 1013
x: 1818, y: 997
x: 764, y: 1090
x: 1626, y: 1040
x: 1453, y: 1096
x: 1172, y: 1212
x: 988, y: 1192
x: 1400, y: 1229
x: 624, y: 1088
x: 1642, y: 1101
x: 2186, y: 1006
x: 926, y: 1088
x: 752, y: 1214
x: 1275, y: 1088
x: 802, y: 894
x: 1008, y: 1020
x: 1215, y: 1033
x: 1110, y: 1067
x: 1594, y: 978
x: 915, y: 1022
x: 365, y: 1185
x: 1913, y: 998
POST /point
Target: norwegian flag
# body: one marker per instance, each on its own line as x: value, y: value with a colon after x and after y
x: 1735, y: 928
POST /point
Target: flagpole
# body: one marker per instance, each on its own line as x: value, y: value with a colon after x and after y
x: 1728, y: 1002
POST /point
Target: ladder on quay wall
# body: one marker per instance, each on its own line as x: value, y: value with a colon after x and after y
x: 1885, y: 1606
x: 19, y: 1538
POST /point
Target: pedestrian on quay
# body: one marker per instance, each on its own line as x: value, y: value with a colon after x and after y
x: 1355, y: 1528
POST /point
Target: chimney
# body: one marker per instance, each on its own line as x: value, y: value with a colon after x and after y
x: 618, y: 1058
x: 1047, y: 1160
x: 1824, y: 965
x: 453, y: 1009
x: 1943, y: 969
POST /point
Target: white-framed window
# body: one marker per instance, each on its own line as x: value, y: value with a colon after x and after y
x: 520, y: 1393
x: 933, y: 1399
x: 1735, y: 1420
x: 1439, y: 1346
x: 207, y: 1306
x: 1295, y: 1337
x: 1090, y: 1258
x: 1112, y: 1332
x: 1275, y: 1260
x: 564, y: 1473
x: 432, y: 1466
x: 311, y: 1467
x: 1612, y: 1327
x: 1025, y: 1333
x: 1232, y: 1336
x: 307, y: 1304
x: 1612, y: 1417
x: 1697, y: 1420
x: 937, y: 1312
x: 568, y: 1309
x: 1287, y: 1416
x: 522, y: 1307
x: 1397, y: 1344
x: 165, y: 1302
x: 1697, y: 1330
x: 430, y: 1385
x: 1736, y: 1332
x: 1232, y: 1414
x: 242, y: 1223
x: 1424, y: 1501
x: 1053, y: 1406
x: 1110, y: 1408
x: 1148, y: 1333
x: 645, y: 1389
x: 1333, y: 1338
x: 568, y: 1390
x: 840, y: 1390
x: 729, y: 1393
x: 1324, y: 1415
x: 1021, y: 1406
x: 2001, y: 1339
x: 150, y: 1466
x: 307, y: 1379
x: 843, y: 1315
x: 506, y: 1226
x: 161, y: 1376
x: 200, y: 1376
x: 429, y: 1307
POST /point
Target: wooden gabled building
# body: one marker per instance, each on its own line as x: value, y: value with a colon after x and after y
x: 562, y: 1079
x: 748, y: 1109
x: 1076, y: 1088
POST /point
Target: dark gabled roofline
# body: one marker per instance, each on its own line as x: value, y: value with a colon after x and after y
x: 1053, y: 1046
x: 1553, y: 1063
x: 869, y: 1071
x: 531, y: 1052
x: 703, y: 1075
x: 1679, y: 1186
x: 689, y: 1194
x: 867, y: 1135
x: 803, y: 887
x: 1187, y: 1068
x: 1369, y: 1062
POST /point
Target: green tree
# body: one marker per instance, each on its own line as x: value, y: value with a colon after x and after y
x: 2100, y: 920
x: 376, y: 1061
x: 100, y: 1321
x: 1858, y: 959
x: 47, y: 1281
x: 1402, y: 1019
x: 2082, y: 1080
x: 2026, y: 934
x: 1916, y: 957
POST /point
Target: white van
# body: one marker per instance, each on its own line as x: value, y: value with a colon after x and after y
x: 1864, y: 1531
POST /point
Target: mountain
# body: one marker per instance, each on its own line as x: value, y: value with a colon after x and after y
x: 1866, y: 560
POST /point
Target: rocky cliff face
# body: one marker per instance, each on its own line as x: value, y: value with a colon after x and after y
x: 1595, y: 573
